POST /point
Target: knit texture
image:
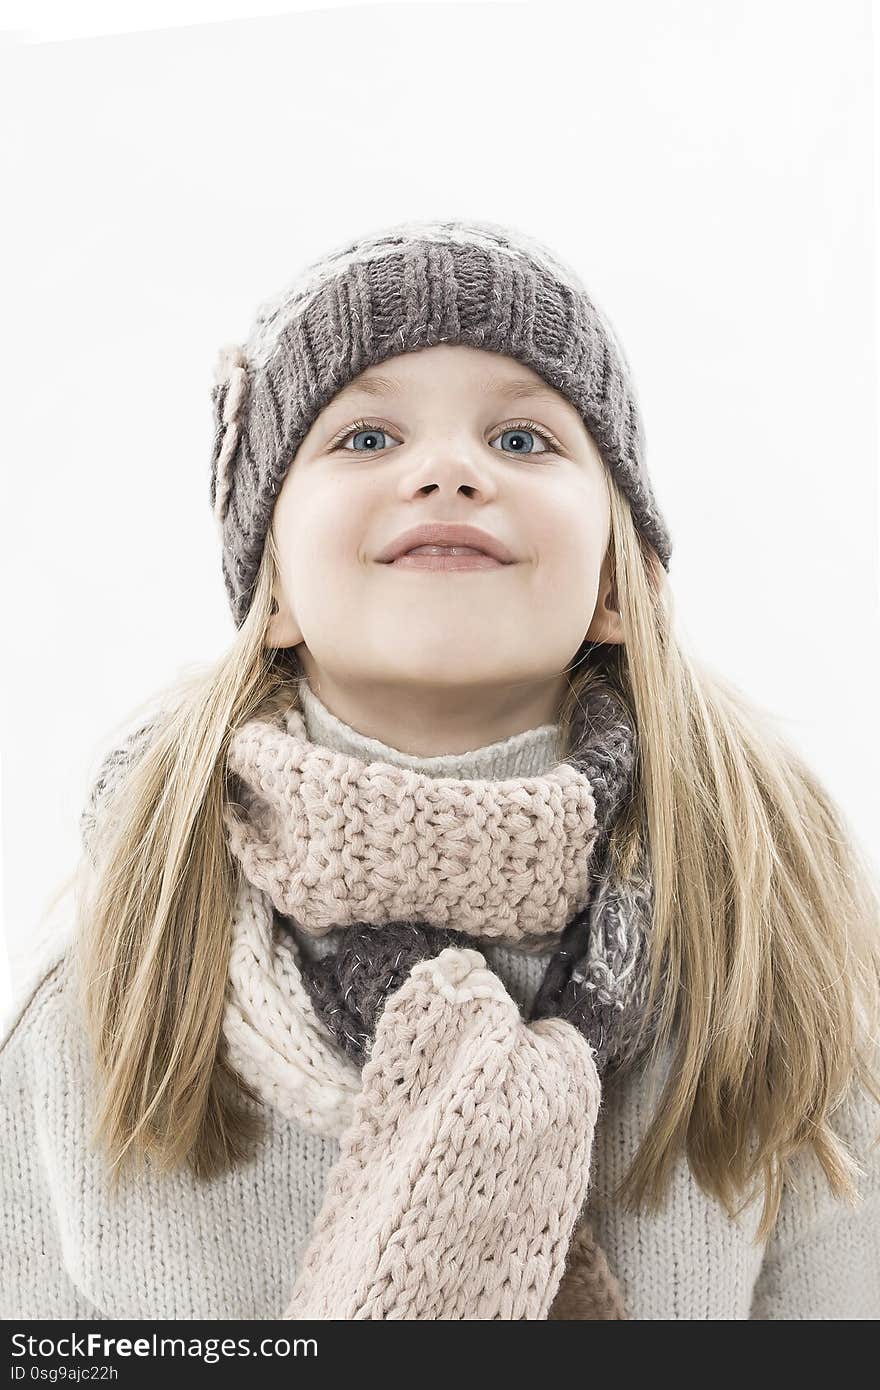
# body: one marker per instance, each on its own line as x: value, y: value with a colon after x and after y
x: 588, y: 1290
x: 169, y: 1247
x: 398, y: 289
x: 462, y: 1175
x: 333, y: 841
x: 528, y: 754
x: 490, y: 858
x: 314, y: 829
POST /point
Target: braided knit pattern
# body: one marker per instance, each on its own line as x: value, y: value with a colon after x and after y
x: 230, y: 369
x: 460, y: 1180
x: 333, y: 840
x: 398, y: 289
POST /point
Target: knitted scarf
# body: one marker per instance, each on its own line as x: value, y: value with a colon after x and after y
x: 466, y: 1130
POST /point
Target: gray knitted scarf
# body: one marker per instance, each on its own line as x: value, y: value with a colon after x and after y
x: 412, y: 874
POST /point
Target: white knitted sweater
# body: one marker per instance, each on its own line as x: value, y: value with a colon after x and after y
x: 173, y: 1248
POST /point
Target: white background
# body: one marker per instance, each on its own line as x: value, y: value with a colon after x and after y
x: 706, y: 168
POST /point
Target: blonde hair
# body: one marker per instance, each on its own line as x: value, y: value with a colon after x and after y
x: 764, y: 909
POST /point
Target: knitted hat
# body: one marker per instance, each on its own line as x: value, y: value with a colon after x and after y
x: 396, y: 290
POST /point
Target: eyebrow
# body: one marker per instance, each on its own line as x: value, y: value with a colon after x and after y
x: 376, y: 386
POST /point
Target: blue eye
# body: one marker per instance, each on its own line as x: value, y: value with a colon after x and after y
x: 521, y: 430
x: 369, y: 432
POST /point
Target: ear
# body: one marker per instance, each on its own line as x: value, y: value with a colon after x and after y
x: 606, y: 625
x: 283, y: 629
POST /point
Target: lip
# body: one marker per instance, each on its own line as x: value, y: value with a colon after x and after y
x: 445, y: 562
x: 445, y: 533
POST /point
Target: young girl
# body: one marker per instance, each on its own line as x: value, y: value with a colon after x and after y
x: 457, y: 947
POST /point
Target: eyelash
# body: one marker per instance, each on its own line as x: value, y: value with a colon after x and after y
x: 357, y: 425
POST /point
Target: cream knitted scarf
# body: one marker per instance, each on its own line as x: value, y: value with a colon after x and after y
x: 465, y: 1130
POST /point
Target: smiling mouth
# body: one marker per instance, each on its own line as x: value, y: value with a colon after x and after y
x: 446, y: 557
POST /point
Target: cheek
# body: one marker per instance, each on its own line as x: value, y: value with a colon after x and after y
x: 320, y: 529
x: 568, y: 527
x: 321, y: 540
x: 568, y: 534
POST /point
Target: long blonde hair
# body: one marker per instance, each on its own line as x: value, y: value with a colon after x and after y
x: 764, y: 908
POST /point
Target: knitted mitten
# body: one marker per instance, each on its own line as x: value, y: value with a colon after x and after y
x: 460, y: 1179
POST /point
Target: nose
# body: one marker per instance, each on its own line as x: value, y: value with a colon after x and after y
x: 450, y: 466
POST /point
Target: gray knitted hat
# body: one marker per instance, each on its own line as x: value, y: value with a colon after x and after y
x: 395, y: 290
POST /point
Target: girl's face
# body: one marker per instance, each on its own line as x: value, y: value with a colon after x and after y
x: 440, y: 435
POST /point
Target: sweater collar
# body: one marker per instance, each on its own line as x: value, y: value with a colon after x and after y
x: 527, y: 754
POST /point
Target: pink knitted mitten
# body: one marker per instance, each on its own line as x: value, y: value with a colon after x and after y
x: 465, y: 1167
